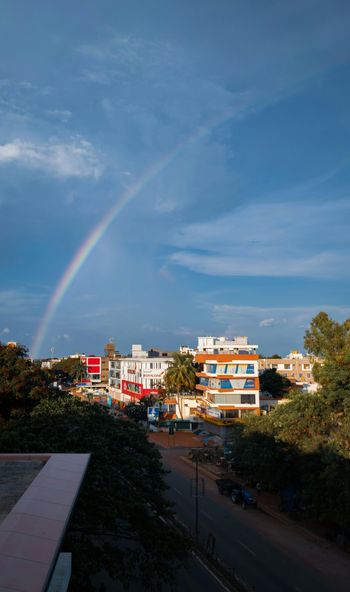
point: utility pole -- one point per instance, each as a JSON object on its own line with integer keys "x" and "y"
{"x": 197, "y": 502}
{"x": 197, "y": 491}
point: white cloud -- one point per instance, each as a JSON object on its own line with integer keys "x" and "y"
{"x": 267, "y": 322}
{"x": 291, "y": 316}
{"x": 270, "y": 239}
{"x": 74, "y": 159}
{"x": 61, "y": 114}
{"x": 165, "y": 273}
{"x": 5, "y": 331}
{"x": 19, "y": 304}
{"x": 165, "y": 205}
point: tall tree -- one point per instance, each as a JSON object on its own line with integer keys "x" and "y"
{"x": 274, "y": 383}
{"x": 115, "y": 527}
{"x": 72, "y": 368}
{"x": 330, "y": 342}
{"x": 180, "y": 378}
{"x": 22, "y": 383}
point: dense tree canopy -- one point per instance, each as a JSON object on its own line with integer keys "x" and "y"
{"x": 115, "y": 526}
{"x": 71, "y": 369}
{"x": 305, "y": 443}
{"x": 274, "y": 383}
{"x": 22, "y": 383}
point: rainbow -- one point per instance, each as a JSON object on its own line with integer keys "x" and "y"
{"x": 99, "y": 230}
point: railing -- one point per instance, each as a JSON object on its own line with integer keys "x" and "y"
{"x": 218, "y": 420}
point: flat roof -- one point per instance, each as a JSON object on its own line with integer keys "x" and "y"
{"x": 15, "y": 478}
{"x": 32, "y": 530}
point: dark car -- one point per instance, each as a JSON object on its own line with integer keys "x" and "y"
{"x": 244, "y": 497}
{"x": 226, "y": 486}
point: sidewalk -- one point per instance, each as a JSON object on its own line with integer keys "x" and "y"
{"x": 268, "y": 503}
{"x": 178, "y": 440}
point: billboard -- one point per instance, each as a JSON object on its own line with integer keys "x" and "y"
{"x": 153, "y": 414}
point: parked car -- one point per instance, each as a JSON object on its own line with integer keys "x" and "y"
{"x": 244, "y": 497}
{"x": 226, "y": 486}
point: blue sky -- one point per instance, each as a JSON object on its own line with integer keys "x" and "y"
{"x": 245, "y": 231}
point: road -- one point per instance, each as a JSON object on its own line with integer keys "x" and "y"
{"x": 267, "y": 555}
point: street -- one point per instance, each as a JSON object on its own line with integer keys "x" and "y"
{"x": 267, "y": 555}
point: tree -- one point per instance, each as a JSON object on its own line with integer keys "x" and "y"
{"x": 180, "y": 378}
{"x": 115, "y": 527}
{"x": 71, "y": 368}
{"x": 274, "y": 383}
{"x": 22, "y": 383}
{"x": 305, "y": 443}
{"x": 138, "y": 411}
{"x": 330, "y": 341}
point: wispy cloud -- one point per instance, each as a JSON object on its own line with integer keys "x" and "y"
{"x": 63, "y": 115}
{"x": 76, "y": 158}
{"x": 16, "y": 303}
{"x": 242, "y": 317}
{"x": 270, "y": 239}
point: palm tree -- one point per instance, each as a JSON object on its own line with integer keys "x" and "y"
{"x": 180, "y": 377}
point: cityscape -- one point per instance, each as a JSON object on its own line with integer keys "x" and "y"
{"x": 174, "y": 296}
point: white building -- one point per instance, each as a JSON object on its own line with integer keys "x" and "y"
{"x": 141, "y": 375}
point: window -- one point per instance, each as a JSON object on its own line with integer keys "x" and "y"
{"x": 286, "y": 366}
{"x": 248, "y": 399}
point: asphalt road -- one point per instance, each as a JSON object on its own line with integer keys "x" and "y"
{"x": 264, "y": 553}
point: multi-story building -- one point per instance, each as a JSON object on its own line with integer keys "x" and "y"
{"x": 92, "y": 369}
{"x": 296, "y": 367}
{"x": 114, "y": 373}
{"x": 228, "y": 379}
{"x": 140, "y": 374}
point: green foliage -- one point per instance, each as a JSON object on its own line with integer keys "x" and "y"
{"x": 138, "y": 411}
{"x": 71, "y": 368}
{"x": 22, "y": 383}
{"x": 331, "y": 342}
{"x": 115, "y": 525}
{"x": 274, "y": 383}
{"x": 305, "y": 443}
{"x": 180, "y": 377}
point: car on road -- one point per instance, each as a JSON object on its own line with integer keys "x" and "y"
{"x": 244, "y": 497}
{"x": 227, "y": 486}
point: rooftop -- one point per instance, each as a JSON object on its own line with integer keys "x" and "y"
{"x": 15, "y": 478}
{"x": 38, "y": 494}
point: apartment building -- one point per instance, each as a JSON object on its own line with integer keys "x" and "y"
{"x": 92, "y": 366}
{"x": 228, "y": 379}
{"x": 296, "y": 367}
{"x": 141, "y": 374}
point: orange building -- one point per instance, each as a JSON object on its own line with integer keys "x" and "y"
{"x": 228, "y": 384}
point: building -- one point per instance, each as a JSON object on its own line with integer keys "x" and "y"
{"x": 114, "y": 373}
{"x": 93, "y": 369}
{"x": 141, "y": 375}
{"x": 296, "y": 367}
{"x": 39, "y": 492}
{"x": 97, "y": 368}
{"x": 110, "y": 355}
{"x": 228, "y": 379}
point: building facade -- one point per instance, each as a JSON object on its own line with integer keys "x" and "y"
{"x": 228, "y": 379}
{"x": 93, "y": 369}
{"x": 141, "y": 375}
{"x": 296, "y": 367}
